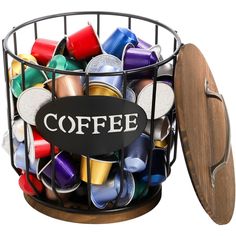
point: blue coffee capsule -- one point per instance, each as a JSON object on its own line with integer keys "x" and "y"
{"x": 106, "y": 63}
{"x": 158, "y": 169}
{"x": 6, "y": 143}
{"x": 101, "y": 195}
{"x": 136, "y": 154}
{"x": 128, "y": 188}
{"x": 116, "y": 43}
{"x": 130, "y": 95}
{"x": 19, "y": 159}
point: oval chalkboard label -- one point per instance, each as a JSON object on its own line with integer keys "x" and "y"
{"x": 90, "y": 125}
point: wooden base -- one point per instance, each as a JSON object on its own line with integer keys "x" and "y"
{"x": 98, "y": 217}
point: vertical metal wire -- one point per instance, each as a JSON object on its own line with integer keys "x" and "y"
{"x": 176, "y": 125}
{"x": 152, "y": 126}
{"x": 86, "y": 91}
{"x": 175, "y": 58}
{"x": 170, "y": 141}
{"x": 15, "y": 42}
{"x": 121, "y": 152}
{"x": 98, "y": 25}
{"x": 156, "y": 34}
{"x": 9, "y": 115}
{"x": 175, "y": 144}
{"x": 27, "y": 161}
{"x": 171, "y": 138}
{"x": 65, "y": 25}
{"x": 129, "y": 23}
{"x": 52, "y": 147}
{"x": 88, "y": 158}
{"x": 35, "y": 30}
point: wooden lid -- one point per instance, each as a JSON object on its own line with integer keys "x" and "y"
{"x": 205, "y": 134}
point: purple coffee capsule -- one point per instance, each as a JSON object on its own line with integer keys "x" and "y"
{"x": 143, "y": 44}
{"x": 136, "y": 58}
{"x": 66, "y": 174}
{"x": 136, "y": 154}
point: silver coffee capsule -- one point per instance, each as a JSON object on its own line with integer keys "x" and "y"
{"x": 164, "y": 99}
{"x": 162, "y": 128}
{"x": 30, "y": 101}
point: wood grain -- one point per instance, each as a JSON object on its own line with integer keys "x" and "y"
{"x": 203, "y": 134}
{"x": 101, "y": 218}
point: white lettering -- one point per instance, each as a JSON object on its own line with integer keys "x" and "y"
{"x": 60, "y": 124}
{"x": 113, "y": 123}
{"x": 80, "y": 124}
{"x": 128, "y": 121}
{"x": 96, "y": 124}
{"x": 46, "y": 120}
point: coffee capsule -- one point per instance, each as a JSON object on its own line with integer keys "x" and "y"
{"x": 103, "y": 89}
{"x": 72, "y": 64}
{"x": 20, "y": 159}
{"x": 162, "y": 128}
{"x": 166, "y": 69}
{"x": 141, "y": 189}
{"x": 16, "y": 65}
{"x": 136, "y": 154}
{"x": 130, "y": 95}
{"x": 99, "y": 170}
{"x": 66, "y": 175}
{"x": 33, "y": 76}
{"x": 164, "y": 99}
{"x": 6, "y": 143}
{"x": 136, "y": 58}
{"x": 44, "y": 49}
{"x": 117, "y": 41}
{"x": 106, "y": 63}
{"x": 40, "y": 148}
{"x": 18, "y": 129}
{"x": 101, "y": 195}
{"x": 161, "y": 144}
{"x": 64, "y": 193}
{"x": 65, "y": 85}
{"x": 26, "y": 187}
{"x": 30, "y": 101}
{"x": 158, "y": 168}
{"x": 84, "y": 43}
{"x": 143, "y": 44}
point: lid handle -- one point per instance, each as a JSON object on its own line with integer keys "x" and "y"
{"x": 215, "y": 168}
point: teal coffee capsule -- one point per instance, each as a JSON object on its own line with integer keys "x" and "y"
{"x": 33, "y": 76}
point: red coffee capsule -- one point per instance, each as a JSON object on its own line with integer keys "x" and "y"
{"x": 84, "y": 43}
{"x": 42, "y": 148}
{"x": 43, "y": 50}
{"x": 25, "y": 186}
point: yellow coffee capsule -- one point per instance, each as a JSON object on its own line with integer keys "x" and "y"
{"x": 16, "y": 65}
{"x": 160, "y": 144}
{"x": 39, "y": 85}
{"x": 99, "y": 170}
{"x": 102, "y": 89}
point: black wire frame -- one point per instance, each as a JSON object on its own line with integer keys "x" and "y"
{"x": 172, "y": 138}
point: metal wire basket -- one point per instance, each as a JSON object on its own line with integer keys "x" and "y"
{"x": 85, "y": 207}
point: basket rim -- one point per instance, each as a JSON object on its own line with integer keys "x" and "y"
{"x": 82, "y": 73}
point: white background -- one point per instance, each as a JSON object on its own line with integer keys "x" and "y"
{"x": 208, "y": 24}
